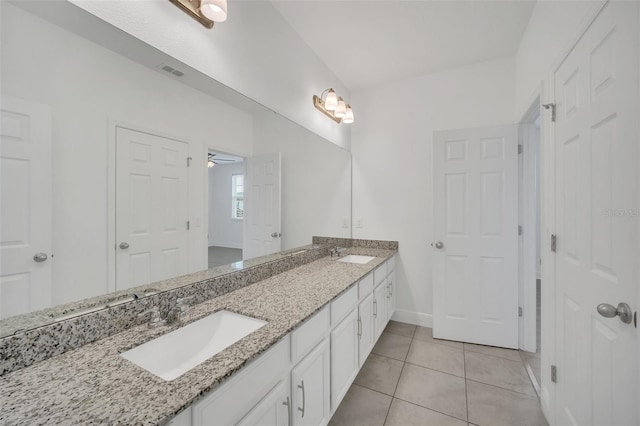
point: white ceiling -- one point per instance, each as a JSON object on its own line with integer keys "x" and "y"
{"x": 366, "y": 43}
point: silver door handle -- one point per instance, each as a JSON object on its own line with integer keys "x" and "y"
{"x": 301, "y": 386}
{"x": 40, "y": 257}
{"x": 623, "y": 311}
{"x": 124, "y": 245}
{"x": 286, "y": 403}
{"x": 360, "y": 328}
{"x": 437, "y": 245}
{"x": 375, "y": 308}
{"x": 391, "y": 287}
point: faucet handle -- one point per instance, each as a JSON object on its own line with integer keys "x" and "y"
{"x": 156, "y": 317}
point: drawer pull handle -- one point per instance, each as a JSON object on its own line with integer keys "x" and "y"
{"x": 360, "y": 328}
{"x": 301, "y": 386}
{"x": 375, "y": 308}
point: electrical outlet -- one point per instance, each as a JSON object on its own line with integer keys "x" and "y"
{"x": 358, "y": 222}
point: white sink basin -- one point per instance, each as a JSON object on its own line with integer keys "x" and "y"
{"x": 356, "y": 258}
{"x": 175, "y": 353}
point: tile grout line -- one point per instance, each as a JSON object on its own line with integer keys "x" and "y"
{"x": 431, "y": 409}
{"x": 466, "y": 391}
{"x": 504, "y": 389}
{"x": 398, "y": 382}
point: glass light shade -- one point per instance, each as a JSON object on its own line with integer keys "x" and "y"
{"x": 348, "y": 117}
{"x": 216, "y": 10}
{"x": 331, "y": 102}
{"x": 341, "y": 110}
{"x": 210, "y": 163}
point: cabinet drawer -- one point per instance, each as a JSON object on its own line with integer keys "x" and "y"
{"x": 365, "y": 286}
{"x": 309, "y": 334}
{"x": 343, "y": 305}
{"x": 231, "y": 401}
{"x": 391, "y": 264}
{"x": 380, "y": 274}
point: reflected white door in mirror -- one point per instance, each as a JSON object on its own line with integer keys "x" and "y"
{"x": 262, "y": 212}
{"x": 152, "y": 190}
{"x": 25, "y": 198}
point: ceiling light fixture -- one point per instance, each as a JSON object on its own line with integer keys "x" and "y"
{"x": 333, "y": 106}
{"x": 204, "y": 11}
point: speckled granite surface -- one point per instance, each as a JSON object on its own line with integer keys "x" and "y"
{"x": 94, "y": 384}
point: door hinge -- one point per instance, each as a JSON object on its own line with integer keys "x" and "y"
{"x": 520, "y": 148}
{"x": 189, "y": 161}
{"x": 554, "y": 242}
{"x": 554, "y": 374}
{"x": 519, "y": 311}
{"x": 188, "y": 225}
{"x": 519, "y": 229}
{"x": 553, "y": 110}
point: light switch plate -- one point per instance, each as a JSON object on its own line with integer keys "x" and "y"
{"x": 358, "y": 222}
{"x": 345, "y": 222}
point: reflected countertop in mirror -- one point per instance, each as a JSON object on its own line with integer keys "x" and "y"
{"x": 32, "y": 320}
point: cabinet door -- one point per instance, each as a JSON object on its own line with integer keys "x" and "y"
{"x": 379, "y": 309}
{"x": 365, "y": 318}
{"x": 310, "y": 388}
{"x": 391, "y": 299}
{"x": 344, "y": 357}
{"x": 273, "y": 410}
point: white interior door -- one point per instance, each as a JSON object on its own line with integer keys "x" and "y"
{"x": 475, "y": 252}
{"x": 25, "y": 206}
{"x": 151, "y": 208}
{"x": 597, "y": 221}
{"x": 262, "y": 211}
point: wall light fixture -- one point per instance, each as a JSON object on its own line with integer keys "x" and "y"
{"x": 204, "y": 11}
{"x": 333, "y": 106}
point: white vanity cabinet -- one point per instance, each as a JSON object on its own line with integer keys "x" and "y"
{"x": 365, "y": 333}
{"x": 344, "y": 357}
{"x": 310, "y": 388}
{"x": 273, "y": 410}
{"x": 391, "y": 294}
{"x": 379, "y": 309}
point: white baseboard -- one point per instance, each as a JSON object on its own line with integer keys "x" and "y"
{"x": 415, "y": 318}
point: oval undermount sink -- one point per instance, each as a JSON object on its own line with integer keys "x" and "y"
{"x": 356, "y": 258}
{"x": 173, "y": 354}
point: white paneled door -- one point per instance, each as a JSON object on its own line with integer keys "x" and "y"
{"x": 475, "y": 247}
{"x": 262, "y": 206}
{"x": 25, "y": 206}
{"x": 597, "y": 221}
{"x": 151, "y": 208}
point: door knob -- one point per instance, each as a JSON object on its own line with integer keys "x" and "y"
{"x": 124, "y": 245}
{"x": 623, "y": 311}
{"x": 40, "y": 257}
{"x": 276, "y": 235}
{"x": 437, "y": 245}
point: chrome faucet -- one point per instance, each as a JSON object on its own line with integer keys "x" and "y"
{"x": 175, "y": 315}
{"x": 337, "y": 251}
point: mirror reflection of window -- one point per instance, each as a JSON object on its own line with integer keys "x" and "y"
{"x": 237, "y": 196}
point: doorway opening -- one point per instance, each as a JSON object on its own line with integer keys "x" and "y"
{"x": 529, "y": 247}
{"x": 225, "y": 193}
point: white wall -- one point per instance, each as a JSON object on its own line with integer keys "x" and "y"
{"x": 223, "y": 230}
{"x": 255, "y": 52}
{"x": 86, "y": 86}
{"x": 551, "y": 29}
{"x": 316, "y": 180}
{"x": 392, "y": 161}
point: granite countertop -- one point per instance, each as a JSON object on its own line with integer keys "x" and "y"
{"x": 93, "y": 384}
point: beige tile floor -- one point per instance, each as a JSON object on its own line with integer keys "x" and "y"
{"x": 410, "y": 378}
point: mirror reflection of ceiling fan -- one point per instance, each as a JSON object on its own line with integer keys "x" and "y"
{"x": 213, "y": 160}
